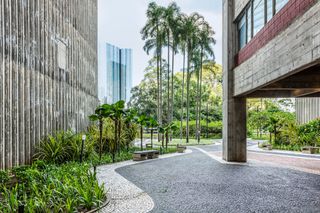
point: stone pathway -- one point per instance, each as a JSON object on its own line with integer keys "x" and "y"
{"x": 125, "y": 196}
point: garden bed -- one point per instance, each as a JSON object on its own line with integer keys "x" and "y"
{"x": 41, "y": 187}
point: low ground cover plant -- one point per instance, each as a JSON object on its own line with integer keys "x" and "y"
{"x": 71, "y": 187}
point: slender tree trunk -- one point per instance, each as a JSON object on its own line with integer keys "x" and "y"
{"x": 172, "y": 84}
{"x": 197, "y": 106}
{"x": 141, "y": 137}
{"x": 168, "y": 79}
{"x": 101, "y": 129}
{"x": 114, "y": 149}
{"x": 188, "y": 95}
{"x": 200, "y": 97}
{"x": 167, "y": 140}
{"x": 151, "y": 138}
{"x": 182, "y": 97}
{"x": 207, "y": 136}
{"x": 161, "y": 88}
{"x": 119, "y": 136}
{"x": 158, "y": 81}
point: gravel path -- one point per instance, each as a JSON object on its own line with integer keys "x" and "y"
{"x": 125, "y": 196}
{"x": 198, "y": 183}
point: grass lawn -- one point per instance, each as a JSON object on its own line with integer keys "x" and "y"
{"x": 192, "y": 142}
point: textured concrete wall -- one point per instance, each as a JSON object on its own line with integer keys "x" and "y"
{"x": 295, "y": 47}
{"x": 48, "y": 72}
{"x": 239, "y": 5}
{"x": 234, "y": 146}
{"x": 307, "y": 109}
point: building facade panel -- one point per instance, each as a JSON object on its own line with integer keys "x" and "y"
{"x": 239, "y": 6}
{"x": 307, "y": 109}
{"x": 48, "y": 72}
{"x": 296, "y": 46}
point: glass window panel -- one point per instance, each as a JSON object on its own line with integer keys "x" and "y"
{"x": 242, "y": 31}
{"x": 280, "y": 4}
{"x": 269, "y": 9}
{"x": 258, "y": 16}
{"x": 249, "y": 19}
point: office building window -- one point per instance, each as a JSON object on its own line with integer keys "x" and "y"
{"x": 258, "y": 16}
{"x": 242, "y": 32}
{"x": 255, "y": 16}
{"x": 269, "y": 9}
{"x": 249, "y": 23}
{"x": 280, "y": 4}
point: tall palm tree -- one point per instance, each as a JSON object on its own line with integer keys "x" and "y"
{"x": 206, "y": 41}
{"x": 182, "y": 46}
{"x": 192, "y": 24}
{"x": 153, "y": 34}
{"x": 170, "y": 17}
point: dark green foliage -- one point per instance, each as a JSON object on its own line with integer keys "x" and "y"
{"x": 62, "y": 147}
{"x": 49, "y": 188}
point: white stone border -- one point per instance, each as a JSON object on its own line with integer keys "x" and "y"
{"x": 125, "y": 196}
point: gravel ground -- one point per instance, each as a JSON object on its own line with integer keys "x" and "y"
{"x": 197, "y": 183}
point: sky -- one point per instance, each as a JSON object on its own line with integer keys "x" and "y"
{"x": 120, "y": 23}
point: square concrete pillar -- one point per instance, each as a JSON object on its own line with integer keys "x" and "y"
{"x": 234, "y": 108}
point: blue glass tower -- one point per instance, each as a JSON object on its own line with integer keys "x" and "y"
{"x": 117, "y": 83}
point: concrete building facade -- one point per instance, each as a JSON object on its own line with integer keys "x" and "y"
{"x": 307, "y": 109}
{"x": 48, "y": 72}
{"x": 271, "y": 49}
{"x": 115, "y": 74}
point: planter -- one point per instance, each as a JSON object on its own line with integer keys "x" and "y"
{"x": 310, "y": 150}
{"x": 266, "y": 146}
{"x": 181, "y": 149}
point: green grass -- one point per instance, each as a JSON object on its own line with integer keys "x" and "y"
{"x": 192, "y": 142}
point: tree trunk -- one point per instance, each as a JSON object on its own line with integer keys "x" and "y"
{"x": 115, "y": 147}
{"x": 158, "y": 81}
{"x": 188, "y": 95}
{"x": 168, "y": 79}
{"x": 182, "y": 97}
{"x": 172, "y": 84}
{"x": 151, "y": 138}
{"x": 167, "y": 140}
{"x": 141, "y": 137}
{"x": 160, "y": 87}
{"x": 197, "y": 106}
{"x": 200, "y": 97}
{"x": 100, "y": 129}
{"x": 119, "y": 136}
{"x": 207, "y": 136}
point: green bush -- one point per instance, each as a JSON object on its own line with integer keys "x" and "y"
{"x": 67, "y": 188}
{"x": 214, "y": 129}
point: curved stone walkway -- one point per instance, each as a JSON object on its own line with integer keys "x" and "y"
{"x": 124, "y": 195}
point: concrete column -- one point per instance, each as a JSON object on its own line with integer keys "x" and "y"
{"x": 234, "y": 109}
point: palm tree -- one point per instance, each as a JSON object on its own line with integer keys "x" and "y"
{"x": 171, "y": 14}
{"x": 142, "y": 121}
{"x": 101, "y": 112}
{"x": 154, "y": 35}
{"x": 116, "y": 113}
{"x": 192, "y": 24}
{"x": 182, "y": 45}
{"x": 152, "y": 124}
{"x": 206, "y": 41}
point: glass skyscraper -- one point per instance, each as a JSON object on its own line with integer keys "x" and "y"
{"x": 116, "y": 75}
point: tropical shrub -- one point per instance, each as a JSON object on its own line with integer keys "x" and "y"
{"x": 64, "y": 146}
{"x": 71, "y": 187}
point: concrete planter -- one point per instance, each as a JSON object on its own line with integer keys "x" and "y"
{"x": 310, "y": 150}
{"x": 181, "y": 149}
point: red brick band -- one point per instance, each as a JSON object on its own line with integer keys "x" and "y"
{"x": 280, "y": 21}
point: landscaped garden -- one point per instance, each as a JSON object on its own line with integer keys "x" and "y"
{"x": 62, "y": 176}
{"x": 280, "y": 128}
